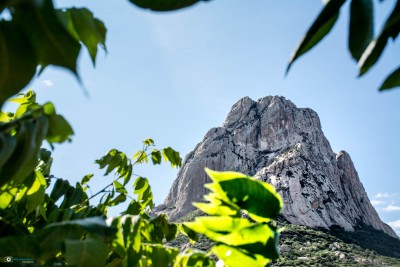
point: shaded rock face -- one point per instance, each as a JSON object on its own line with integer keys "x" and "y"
{"x": 276, "y": 142}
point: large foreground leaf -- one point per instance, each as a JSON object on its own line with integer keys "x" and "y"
{"x": 244, "y": 192}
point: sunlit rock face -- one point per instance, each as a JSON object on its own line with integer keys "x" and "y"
{"x": 274, "y": 141}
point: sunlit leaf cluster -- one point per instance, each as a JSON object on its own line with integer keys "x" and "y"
{"x": 242, "y": 212}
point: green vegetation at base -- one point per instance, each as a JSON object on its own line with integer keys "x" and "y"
{"x": 304, "y": 246}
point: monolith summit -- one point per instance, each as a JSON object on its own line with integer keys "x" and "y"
{"x": 274, "y": 141}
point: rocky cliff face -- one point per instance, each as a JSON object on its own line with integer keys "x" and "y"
{"x": 276, "y": 142}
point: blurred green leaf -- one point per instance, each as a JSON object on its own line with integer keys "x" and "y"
{"x": 393, "y": 80}
{"x": 159, "y": 255}
{"x": 232, "y": 256}
{"x": 87, "y": 252}
{"x": 159, "y": 228}
{"x": 21, "y": 246}
{"x": 164, "y": 5}
{"x": 192, "y": 258}
{"x": 322, "y": 25}
{"x": 86, "y": 179}
{"x": 119, "y": 199}
{"x": 81, "y": 23}
{"x": 189, "y": 233}
{"x": 361, "y": 29}
{"x": 52, "y": 43}
{"x": 59, "y": 189}
{"x": 375, "y": 48}
{"x": 17, "y": 60}
{"x": 140, "y": 156}
{"x": 59, "y": 129}
{"x": 148, "y": 142}
{"x": 119, "y": 187}
{"x": 140, "y": 185}
{"x": 171, "y": 156}
{"x": 156, "y": 156}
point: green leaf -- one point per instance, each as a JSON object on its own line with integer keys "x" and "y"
{"x": 85, "y": 28}
{"x": 217, "y": 206}
{"x": 94, "y": 225}
{"x": 191, "y": 258}
{"x": 119, "y": 187}
{"x": 375, "y": 48}
{"x": 225, "y": 229}
{"x": 59, "y": 189}
{"x": 72, "y": 197}
{"x": 393, "y": 80}
{"x": 232, "y": 256}
{"x": 17, "y": 60}
{"x": 7, "y": 194}
{"x": 172, "y": 156}
{"x": 52, "y": 43}
{"x": 59, "y": 129}
{"x": 49, "y": 109}
{"x": 86, "y": 179}
{"x": 19, "y": 247}
{"x": 159, "y": 255}
{"x": 27, "y": 98}
{"x": 244, "y": 191}
{"x": 148, "y": 142}
{"x": 134, "y": 208}
{"x": 26, "y": 153}
{"x": 87, "y": 252}
{"x": 7, "y": 146}
{"x": 35, "y": 195}
{"x": 156, "y": 157}
{"x": 140, "y": 156}
{"x": 158, "y": 228}
{"x": 361, "y": 29}
{"x": 140, "y": 185}
{"x": 164, "y": 5}
{"x": 318, "y": 30}
{"x": 189, "y": 233}
{"x": 128, "y": 235}
{"x": 119, "y": 199}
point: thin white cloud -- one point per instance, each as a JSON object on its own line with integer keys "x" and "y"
{"x": 395, "y": 225}
{"x": 380, "y": 195}
{"x": 48, "y": 83}
{"x": 377, "y": 202}
{"x": 391, "y": 208}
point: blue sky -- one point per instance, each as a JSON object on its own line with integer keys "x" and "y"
{"x": 172, "y": 76}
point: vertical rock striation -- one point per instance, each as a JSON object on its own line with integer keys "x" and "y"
{"x": 276, "y": 142}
